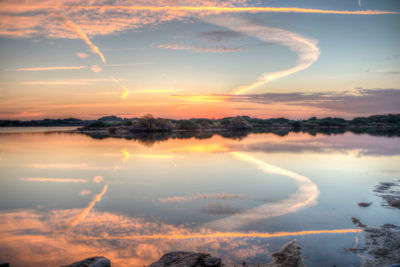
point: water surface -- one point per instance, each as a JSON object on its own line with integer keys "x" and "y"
{"x": 66, "y": 196}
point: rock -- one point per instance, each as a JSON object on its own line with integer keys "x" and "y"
{"x": 383, "y": 244}
{"x": 379, "y": 252}
{"x": 364, "y": 204}
{"x": 358, "y": 222}
{"x": 288, "y": 256}
{"x": 187, "y": 259}
{"x": 382, "y": 187}
{"x": 355, "y": 220}
{"x": 393, "y": 201}
{"x": 91, "y": 262}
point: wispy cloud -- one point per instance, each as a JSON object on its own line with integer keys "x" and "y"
{"x": 96, "y": 68}
{"x": 54, "y": 180}
{"x": 218, "y": 196}
{"x": 76, "y": 29}
{"x": 306, "y": 49}
{"x": 29, "y": 18}
{"x": 52, "y": 68}
{"x": 67, "y": 82}
{"x": 201, "y": 49}
{"x": 360, "y": 101}
{"x": 221, "y": 209}
{"x": 82, "y": 55}
{"x": 98, "y": 179}
{"x": 218, "y": 36}
{"x": 85, "y": 192}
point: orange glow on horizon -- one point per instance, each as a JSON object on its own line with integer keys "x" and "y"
{"x": 208, "y": 148}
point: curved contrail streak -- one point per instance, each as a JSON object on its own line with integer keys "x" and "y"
{"x": 175, "y": 236}
{"x": 251, "y": 9}
{"x": 306, "y": 195}
{"x": 306, "y": 49}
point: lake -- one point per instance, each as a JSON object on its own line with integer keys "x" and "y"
{"x": 66, "y": 196}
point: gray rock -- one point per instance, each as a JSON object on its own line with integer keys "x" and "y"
{"x": 288, "y": 256}
{"x": 382, "y": 187}
{"x": 187, "y": 259}
{"x": 91, "y": 262}
{"x": 393, "y": 201}
{"x": 379, "y": 252}
{"x": 364, "y": 204}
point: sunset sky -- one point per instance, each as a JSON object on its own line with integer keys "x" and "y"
{"x": 199, "y": 58}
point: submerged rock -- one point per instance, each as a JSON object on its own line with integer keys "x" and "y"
{"x": 288, "y": 256}
{"x": 382, "y": 245}
{"x": 383, "y": 187}
{"x": 358, "y": 222}
{"x": 187, "y": 259}
{"x": 393, "y": 201}
{"x": 91, "y": 262}
{"x": 389, "y": 194}
{"x": 364, "y": 204}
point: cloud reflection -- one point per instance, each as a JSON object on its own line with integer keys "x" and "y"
{"x": 78, "y": 218}
{"x": 53, "y": 180}
{"x": 305, "y": 195}
{"x": 31, "y": 238}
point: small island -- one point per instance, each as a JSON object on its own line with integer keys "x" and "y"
{"x": 114, "y": 126}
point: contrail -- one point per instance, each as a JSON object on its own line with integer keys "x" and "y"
{"x": 216, "y": 9}
{"x": 306, "y": 49}
{"x": 74, "y": 221}
{"x": 73, "y": 27}
{"x": 306, "y": 195}
{"x": 173, "y": 236}
{"x": 359, "y": 3}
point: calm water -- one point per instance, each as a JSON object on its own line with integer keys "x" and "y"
{"x": 65, "y": 197}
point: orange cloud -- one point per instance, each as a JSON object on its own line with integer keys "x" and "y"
{"x": 37, "y": 17}
{"x": 96, "y": 68}
{"x": 82, "y": 55}
{"x": 98, "y": 179}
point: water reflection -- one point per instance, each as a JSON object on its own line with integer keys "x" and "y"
{"x": 305, "y": 195}
{"x": 32, "y": 238}
{"x": 198, "y": 193}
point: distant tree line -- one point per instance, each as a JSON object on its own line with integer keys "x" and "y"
{"x": 148, "y": 123}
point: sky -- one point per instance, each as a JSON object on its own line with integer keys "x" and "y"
{"x": 199, "y": 58}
